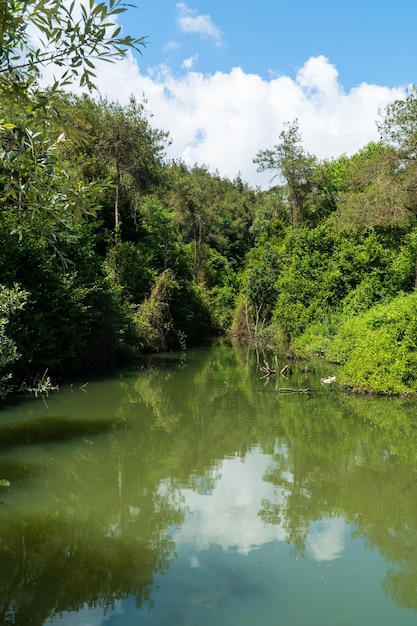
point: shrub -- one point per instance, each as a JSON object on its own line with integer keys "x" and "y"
{"x": 378, "y": 349}
{"x": 153, "y": 319}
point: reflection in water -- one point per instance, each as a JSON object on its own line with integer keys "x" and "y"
{"x": 229, "y": 517}
{"x": 197, "y": 495}
{"x": 326, "y": 539}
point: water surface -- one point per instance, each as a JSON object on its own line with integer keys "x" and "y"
{"x": 195, "y": 492}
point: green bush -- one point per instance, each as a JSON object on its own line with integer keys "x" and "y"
{"x": 317, "y": 337}
{"x": 222, "y": 302}
{"x": 378, "y": 349}
{"x": 153, "y": 318}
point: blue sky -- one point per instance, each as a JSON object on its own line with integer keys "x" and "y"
{"x": 224, "y": 76}
{"x": 368, "y": 41}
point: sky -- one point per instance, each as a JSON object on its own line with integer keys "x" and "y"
{"x": 225, "y": 76}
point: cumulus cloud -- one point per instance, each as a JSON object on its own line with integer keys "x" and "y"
{"x": 190, "y": 21}
{"x": 222, "y": 120}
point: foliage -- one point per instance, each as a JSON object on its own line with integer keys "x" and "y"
{"x": 39, "y": 192}
{"x": 11, "y": 299}
{"x": 210, "y": 210}
{"x": 378, "y": 349}
{"x": 39, "y": 195}
{"x": 289, "y": 161}
{"x": 115, "y": 251}
{"x": 372, "y": 191}
{"x": 174, "y": 315}
{"x": 259, "y": 283}
{"x": 223, "y": 299}
{"x": 129, "y": 272}
{"x": 66, "y": 40}
{"x": 153, "y": 318}
{"x": 193, "y": 314}
{"x": 134, "y": 150}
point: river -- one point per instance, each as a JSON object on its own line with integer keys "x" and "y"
{"x": 193, "y": 491}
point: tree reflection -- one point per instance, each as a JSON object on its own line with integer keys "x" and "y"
{"x": 332, "y": 455}
{"x": 352, "y": 461}
{"x": 101, "y": 536}
{"x": 97, "y": 529}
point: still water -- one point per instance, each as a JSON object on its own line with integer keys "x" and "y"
{"x": 195, "y": 492}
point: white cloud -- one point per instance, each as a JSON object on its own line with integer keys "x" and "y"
{"x": 190, "y": 21}
{"x": 171, "y": 45}
{"x": 235, "y": 114}
{"x": 188, "y": 64}
{"x": 222, "y": 119}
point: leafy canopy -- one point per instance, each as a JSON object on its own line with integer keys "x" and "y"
{"x": 73, "y": 37}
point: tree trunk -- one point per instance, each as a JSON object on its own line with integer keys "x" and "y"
{"x": 415, "y": 275}
{"x": 117, "y": 197}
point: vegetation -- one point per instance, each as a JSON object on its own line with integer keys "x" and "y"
{"x": 109, "y": 251}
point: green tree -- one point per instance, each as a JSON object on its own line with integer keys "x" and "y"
{"x": 37, "y": 189}
{"x": 133, "y": 148}
{"x": 44, "y": 197}
{"x": 11, "y": 299}
{"x": 294, "y": 166}
{"x": 192, "y": 197}
{"x": 370, "y": 189}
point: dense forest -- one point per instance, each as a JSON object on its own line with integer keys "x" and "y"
{"x": 109, "y": 250}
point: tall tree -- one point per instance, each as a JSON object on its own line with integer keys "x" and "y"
{"x": 369, "y": 189}
{"x": 132, "y": 147}
{"x": 289, "y": 161}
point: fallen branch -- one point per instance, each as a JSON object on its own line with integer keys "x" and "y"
{"x": 284, "y": 369}
{"x": 308, "y": 391}
{"x": 268, "y": 370}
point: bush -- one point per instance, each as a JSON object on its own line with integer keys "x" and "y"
{"x": 378, "y": 349}
{"x": 222, "y": 304}
{"x": 153, "y": 319}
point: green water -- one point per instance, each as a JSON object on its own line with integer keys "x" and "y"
{"x": 194, "y": 492}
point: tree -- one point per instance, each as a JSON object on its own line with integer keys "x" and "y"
{"x": 192, "y": 198}
{"x": 42, "y": 195}
{"x": 11, "y": 299}
{"x": 398, "y": 129}
{"x": 38, "y": 191}
{"x": 370, "y": 189}
{"x": 132, "y": 147}
{"x": 291, "y": 163}
{"x": 65, "y": 40}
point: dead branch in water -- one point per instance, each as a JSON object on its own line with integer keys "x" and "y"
{"x": 267, "y": 370}
{"x": 284, "y": 369}
{"x": 308, "y": 391}
{"x": 271, "y": 371}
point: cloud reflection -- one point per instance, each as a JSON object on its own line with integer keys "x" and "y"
{"x": 228, "y": 517}
{"x": 326, "y": 539}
